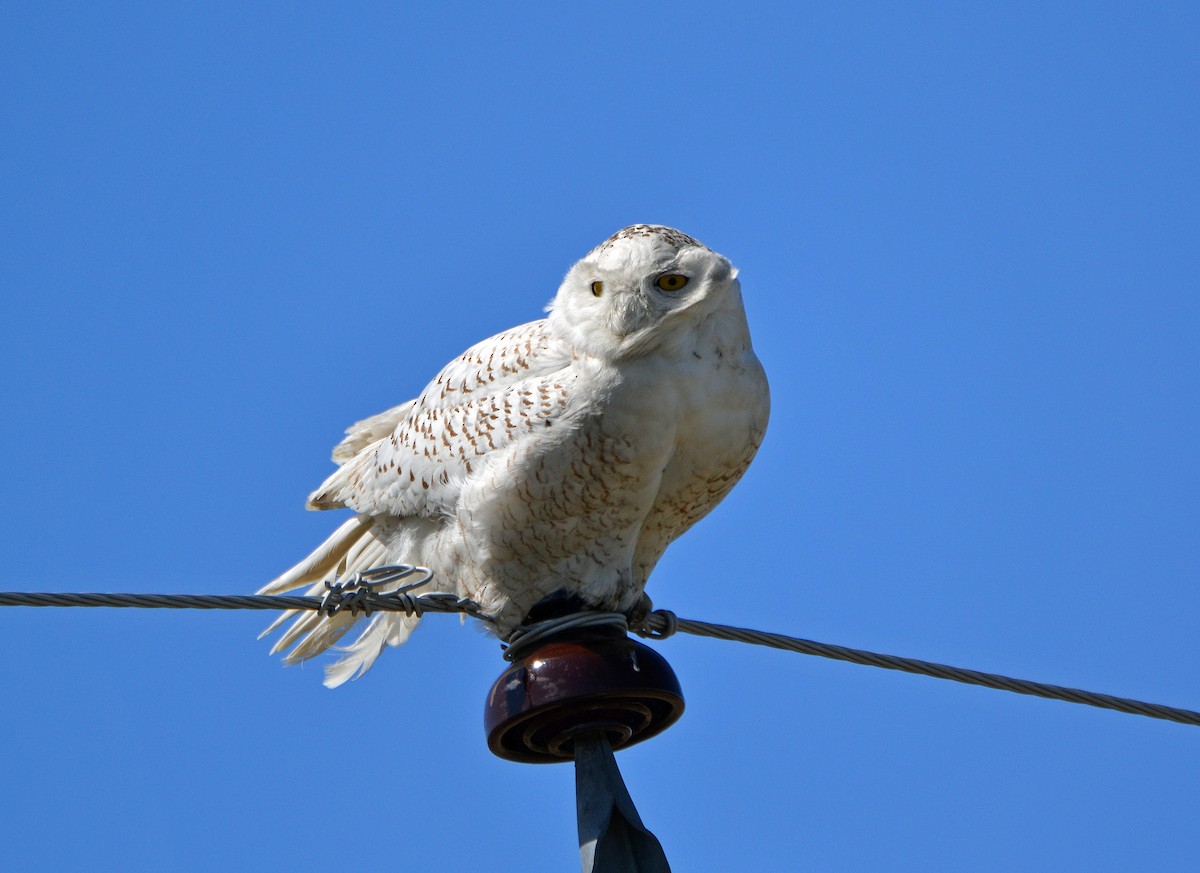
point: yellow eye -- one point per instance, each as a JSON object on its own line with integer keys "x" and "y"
{"x": 597, "y": 288}
{"x": 671, "y": 282}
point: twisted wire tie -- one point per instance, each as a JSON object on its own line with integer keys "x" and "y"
{"x": 527, "y": 637}
{"x": 358, "y": 593}
{"x": 658, "y": 625}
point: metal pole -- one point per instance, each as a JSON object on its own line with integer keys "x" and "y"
{"x": 612, "y": 838}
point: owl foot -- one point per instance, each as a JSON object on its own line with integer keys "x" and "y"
{"x": 638, "y": 612}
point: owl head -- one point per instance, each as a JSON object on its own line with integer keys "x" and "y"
{"x": 638, "y": 288}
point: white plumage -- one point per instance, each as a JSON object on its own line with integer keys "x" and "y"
{"x": 560, "y": 457}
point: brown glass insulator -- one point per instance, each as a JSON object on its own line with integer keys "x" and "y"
{"x": 588, "y": 682}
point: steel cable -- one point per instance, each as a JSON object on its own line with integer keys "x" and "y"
{"x": 658, "y": 624}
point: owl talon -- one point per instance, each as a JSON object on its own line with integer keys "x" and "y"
{"x": 638, "y": 612}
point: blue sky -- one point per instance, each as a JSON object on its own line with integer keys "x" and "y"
{"x": 967, "y": 240}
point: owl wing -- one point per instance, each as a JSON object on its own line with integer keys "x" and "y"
{"x": 496, "y": 392}
{"x": 370, "y": 430}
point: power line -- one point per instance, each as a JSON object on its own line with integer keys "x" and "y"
{"x": 412, "y": 604}
{"x": 356, "y": 595}
{"x": 657, "y": 623}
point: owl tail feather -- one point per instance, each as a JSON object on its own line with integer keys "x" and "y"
{"x": 354, "y": 547}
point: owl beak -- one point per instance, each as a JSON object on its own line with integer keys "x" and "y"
{"x": 627, "y": 312}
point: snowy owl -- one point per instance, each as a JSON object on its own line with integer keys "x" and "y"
{"x": 556, "y": 460}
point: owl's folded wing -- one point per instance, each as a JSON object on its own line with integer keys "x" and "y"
{"x": 502, "y": 387}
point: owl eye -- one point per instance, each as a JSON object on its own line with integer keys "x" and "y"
{"x": 671, "y": 282}
{"x": 597, "y": 288}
